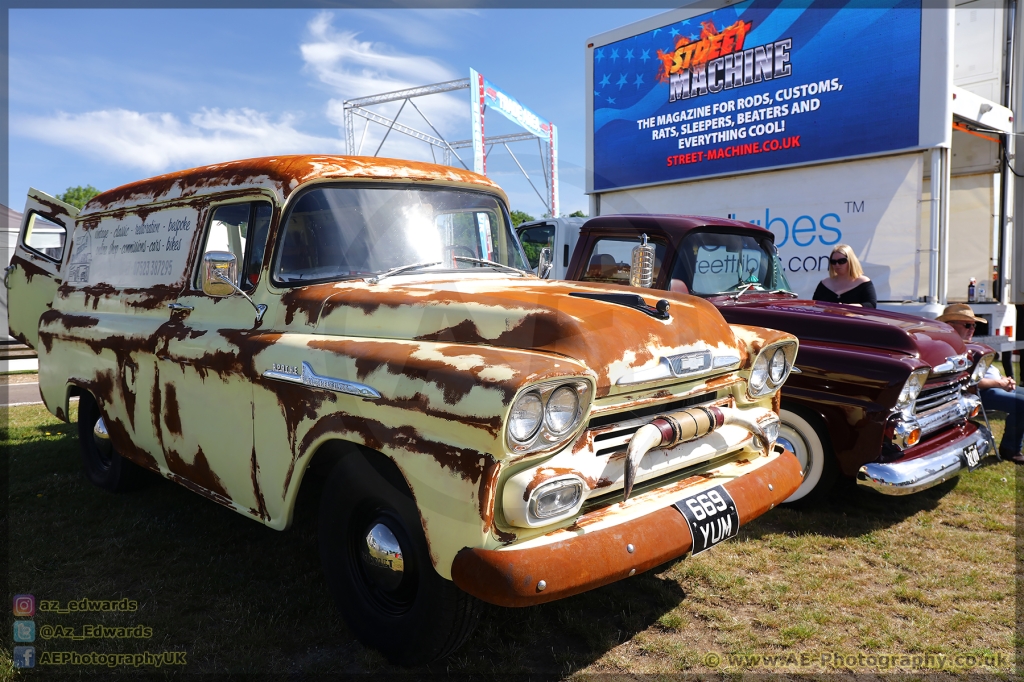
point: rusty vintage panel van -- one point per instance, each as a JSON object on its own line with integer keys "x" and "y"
{"x": 487, "y": 435}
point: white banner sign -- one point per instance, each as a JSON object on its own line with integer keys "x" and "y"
{"x": 872, "y": 205}
{"x": 133, "y": 252}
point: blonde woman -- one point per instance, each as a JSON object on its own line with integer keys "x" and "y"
{"x": 846, "y": 282}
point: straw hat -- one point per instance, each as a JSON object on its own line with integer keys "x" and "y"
{"x": 959, "y": 312}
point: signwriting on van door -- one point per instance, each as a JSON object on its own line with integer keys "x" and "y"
{"x": 132, "y": 251}
{"x": 756, "y": 86}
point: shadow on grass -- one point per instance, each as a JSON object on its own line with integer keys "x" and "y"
{"x": 242, "y": 599}
{"x": 849, "y": 512}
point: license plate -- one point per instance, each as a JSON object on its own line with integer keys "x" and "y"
{"x": 972, "y": 457}
{"x": 711, "y": 517}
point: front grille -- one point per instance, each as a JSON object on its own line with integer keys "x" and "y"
{"x": 624, "y": 424}
{"x": 938, "y": 395}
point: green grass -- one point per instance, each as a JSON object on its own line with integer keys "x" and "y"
{"x": 931, "y": 573}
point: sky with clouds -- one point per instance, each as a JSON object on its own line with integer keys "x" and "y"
{"x": 105, "y": 97}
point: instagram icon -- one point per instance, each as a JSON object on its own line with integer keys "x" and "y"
{"x": 24, "y": 605}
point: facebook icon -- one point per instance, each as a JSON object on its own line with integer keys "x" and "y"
{"x": 24, "y": 657}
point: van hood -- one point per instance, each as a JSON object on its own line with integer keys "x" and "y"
{"x": 932, "y": 341}
{"x": 529, "y": 314}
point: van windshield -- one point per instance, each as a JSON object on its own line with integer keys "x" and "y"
{"x": 337, "y": 233}
{"x": 712, "y": 263}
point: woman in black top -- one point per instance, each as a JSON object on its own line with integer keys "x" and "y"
{"x": 846, "y": 282}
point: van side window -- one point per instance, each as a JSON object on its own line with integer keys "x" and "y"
{"x": 44, "y": 237}
{"x": 241, "y": 229}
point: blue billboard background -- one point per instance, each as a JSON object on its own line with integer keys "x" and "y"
{"x": 851, "y": 88}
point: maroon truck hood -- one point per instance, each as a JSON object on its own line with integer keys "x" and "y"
{"x": 932, "y": 341}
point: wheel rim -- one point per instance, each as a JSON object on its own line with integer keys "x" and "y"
{"x": 385, "y": 572}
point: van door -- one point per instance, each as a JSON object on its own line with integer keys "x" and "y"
{"x": 34, "y": 274}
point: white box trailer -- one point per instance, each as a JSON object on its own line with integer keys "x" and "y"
{"x": 770, "y": 116}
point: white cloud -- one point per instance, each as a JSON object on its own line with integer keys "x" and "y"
{"x": 352, "y": 68}
{"x": 160, "y": 141}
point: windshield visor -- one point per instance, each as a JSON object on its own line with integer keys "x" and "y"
{"x": 335, "y": 233}
{"x": 719, "y": 263}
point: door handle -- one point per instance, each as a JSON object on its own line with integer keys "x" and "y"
{"x": 7, "y": 273}
{"x": 180, "y": 306}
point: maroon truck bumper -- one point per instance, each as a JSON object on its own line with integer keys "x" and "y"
{"x": 585, "y": 560}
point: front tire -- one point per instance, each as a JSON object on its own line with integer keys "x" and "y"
{"x": 378, "y": 568}
{"x": 803, "y": 435}
{"x": 100, "y": 462}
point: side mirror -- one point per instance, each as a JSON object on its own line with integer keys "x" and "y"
{"x": 641, "y": 270}
{"x": 220, "y": 272}
{"x": 217, "y": 267}
{"x": 544, "y": 263}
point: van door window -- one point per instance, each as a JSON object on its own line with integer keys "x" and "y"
{"x": 44, "y": 237}
{"x": 241, "y": 229}
{"x": 536, "y": 238}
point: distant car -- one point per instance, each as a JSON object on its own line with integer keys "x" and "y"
{"x": 882, "y": 397}
{"x": 488, "y": 435}
{"x": 557, "y": 234}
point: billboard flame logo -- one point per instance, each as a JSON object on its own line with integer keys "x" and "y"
{"x": 712, "y": 44}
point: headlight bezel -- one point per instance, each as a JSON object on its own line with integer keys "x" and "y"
{"x": 981, "y": 366}
{"x": 545, "y": 437}
{"x": 758, "y": 387}
{"x": 908, "y": 394}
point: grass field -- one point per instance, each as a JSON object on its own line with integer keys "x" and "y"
{"x": 930, "y": 574}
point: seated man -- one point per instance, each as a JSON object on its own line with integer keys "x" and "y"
{"x": 997, "y": 392}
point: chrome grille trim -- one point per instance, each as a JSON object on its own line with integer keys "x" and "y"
{"x": 933, "y": 397}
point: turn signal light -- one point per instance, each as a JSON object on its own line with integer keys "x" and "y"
{"x": 975, "y": 410}
{"x": 913, "y": 437}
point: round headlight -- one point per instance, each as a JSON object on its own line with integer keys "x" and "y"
{"x": 561, "y": 409}
{"x": 979, "y": 370}
{"x": 527, "y": 413}
{"x": 759, "y": 374}
{"x": 777, "y": 369}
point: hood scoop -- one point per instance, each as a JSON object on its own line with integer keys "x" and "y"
{"x": 660, "y": 312}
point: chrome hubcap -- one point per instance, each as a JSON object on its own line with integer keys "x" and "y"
{"x": 102, "y": 440}
{"x": 381, "y": 555}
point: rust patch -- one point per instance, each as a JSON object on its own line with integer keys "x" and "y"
{"x": 68, "y": 321}
{"x": 60, "y": 414}
{"x": 198, "y": 472}
{"x": 486, "y": 493}
{"x": 171, "y": 415}
{"x": 468, "y": 464}
{"x": 30, "y": 268}
{"x": 95, "y": 292}
{"x": 254, "y": 470}
{"x": 126, "y": 448}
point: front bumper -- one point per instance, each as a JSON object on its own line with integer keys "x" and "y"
{"x": 593, "y": 553}
{"x": 913, "y": 475}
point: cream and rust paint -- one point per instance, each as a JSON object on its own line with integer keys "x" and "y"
{"x": 183, "y": 392}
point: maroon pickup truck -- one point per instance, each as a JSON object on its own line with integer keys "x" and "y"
{"x": 885, "y": 398}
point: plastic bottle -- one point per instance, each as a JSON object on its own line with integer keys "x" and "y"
{"x": 981, "y": 293}
{"x": 970, "y": 290}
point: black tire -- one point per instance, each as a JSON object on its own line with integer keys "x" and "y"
{"x": 805, "y": 435}
{"x": 422, "y": 618}
{"x": 102, "y": 465}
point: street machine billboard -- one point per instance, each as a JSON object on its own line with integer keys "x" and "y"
{"x": 756, "y": 85}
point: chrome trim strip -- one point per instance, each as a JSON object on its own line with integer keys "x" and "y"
{"x": 905, "y": 478}
{"x": 313, "y": 380}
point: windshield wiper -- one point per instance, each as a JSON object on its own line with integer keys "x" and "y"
{"x": 399, "y": 270}
{"x": 743, "y": 290}
{"x": 481, "y": 261}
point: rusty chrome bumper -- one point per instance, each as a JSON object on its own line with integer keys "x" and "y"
{"x": 921, "y": 473}
{"x": 577, "y": 559}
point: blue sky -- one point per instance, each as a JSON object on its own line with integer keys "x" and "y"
{"x": 105, "y": 97}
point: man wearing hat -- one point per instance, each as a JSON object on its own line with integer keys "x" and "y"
{"x": 997, "y": 392}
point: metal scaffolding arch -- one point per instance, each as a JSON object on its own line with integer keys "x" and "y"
{"x": 359, "y": 107}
